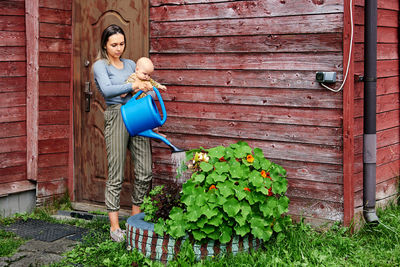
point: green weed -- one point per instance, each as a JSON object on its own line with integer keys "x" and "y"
{"x": 9, "y": 243}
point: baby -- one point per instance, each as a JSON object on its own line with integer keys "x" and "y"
{"x": 143, "y": 71}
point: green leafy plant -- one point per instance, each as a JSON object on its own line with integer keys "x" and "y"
{"x": 161, "y": 199}
{"x": 233, "y": 190}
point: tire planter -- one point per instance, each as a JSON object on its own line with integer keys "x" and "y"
{"x": 140, "y": 236}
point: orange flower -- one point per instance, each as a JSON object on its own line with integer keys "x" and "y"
{"x": 212, "y": 187}
{"x": 247, "y": 189}
{"x": 263, "y": 174}
{"x": 250, "y": 158}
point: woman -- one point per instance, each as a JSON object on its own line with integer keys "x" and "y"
{"x": 110, "y": 74}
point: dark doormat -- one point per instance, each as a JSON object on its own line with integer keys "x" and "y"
{"x": 45, "y": 231}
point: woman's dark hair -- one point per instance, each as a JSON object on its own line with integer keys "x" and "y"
{"x": 110, "y": 30}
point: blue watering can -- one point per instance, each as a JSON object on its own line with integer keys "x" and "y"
{"x": 141, "y": 116}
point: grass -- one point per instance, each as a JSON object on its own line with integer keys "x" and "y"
{"x": 302, "y": 246}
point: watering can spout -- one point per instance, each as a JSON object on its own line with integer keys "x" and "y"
{"x": 152, "y": 134}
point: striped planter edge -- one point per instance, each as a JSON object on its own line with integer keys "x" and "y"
{"x": 164, "y": 248}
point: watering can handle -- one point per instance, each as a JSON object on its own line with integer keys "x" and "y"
{"x": 164, "y": 112}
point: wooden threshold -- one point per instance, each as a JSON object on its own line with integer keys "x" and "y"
{"x": 82, "y": 206}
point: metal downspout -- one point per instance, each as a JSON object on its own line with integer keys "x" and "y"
{"x": 369, "y": 157}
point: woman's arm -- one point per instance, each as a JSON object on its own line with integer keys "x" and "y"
{"x": 103, "y": 82}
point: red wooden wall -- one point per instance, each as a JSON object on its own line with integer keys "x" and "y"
{"x": 245, "y": 70}
{"x": 12, "y": 97}
{"x": 55, "y": 49}
{"x": 388, "y": 119}
{"x": 53, "y": 109}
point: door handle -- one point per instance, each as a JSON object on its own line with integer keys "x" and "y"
{"x": 88, "y": 94}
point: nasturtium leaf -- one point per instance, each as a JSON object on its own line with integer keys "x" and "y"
{"x": 263, "y": 190}
{"x": 221, "y": 167}
{"x": 221, "y": 200}
{"x": 177, "y": 229}
{"x": 198, "y": 235}
{"x": 268, "y": 206}
{"x": 245, "y": 208}
{"x": 231, "y": 207}
{"x": 258, "y": 197}
{"x": 216, "y": 152}
{"x": 258, "y": 153}
{"x": 265, "y": 164}
{"x": 188, "y": 187}
{"x": 199, "y": 178}
{"x": 193, "y": 215}
{"x": 226, "y": 234}
{"x": 256, "y": 179}
{"x": 240, "y": 193}
{"x": 208, "y": 229}
{"x": 202, "y": 221}
{"x": 283, "y": 204}
{"x": 256, "y": 163}
{"x": 226, "y": 188}
{"x": 212, "y": 197}
{"x": 242, "y": 230}
{"x": 240, "y": 219}
{"x": 215, "y": 235}
{"x": 229, "y": 153}
{"x": 176, "y": 213}
{"x": 279, "y": 187}
{"x": 205, "y": 166}
{"x": 277, "y": 227}
{"x": 209, "y": 212}
{"x": 236, "y": 171}
{"x": 261, "y": 232}
{"x": 215, "y": 177}
{"x": 159, "y": 228}
{"x": 216, "y": 220}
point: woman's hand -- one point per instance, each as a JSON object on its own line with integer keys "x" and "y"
{"x": 141, "y": 85}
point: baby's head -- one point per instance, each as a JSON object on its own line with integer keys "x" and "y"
{"x": 144, "y": 68}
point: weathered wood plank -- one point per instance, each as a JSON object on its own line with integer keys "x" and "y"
{"x": 53, "y": 103}
{"x": 15, "y": 187}
{"x": 54, "y": 45}
{"x": 384, "y": 35}
{"x": 384, "y": 4}
{"x": 53, "y": 145}
{"x": 383, "y": 103}
{"x": 386, "y": 18}
{"x": 52, "y": 173}
{"x": 384, "y": 68}
{"x": 12, "y": 23}
{"x": 54, "y": 59}
{"x": 384, "y": 172}
{"x": 53, "y": 160}
{"x": 321, "y": 191}
{"x": 266, "y": 114}
{"x": 251, "y": 61}
{"x": 56, "y": 16}
{"x": 12, "y": 69}
{"x": 54, "y": 89}
{"x": 12, "y": 38}
{"x": 13, "y": 8}
{"x": 255, "y": 130}
{"x": 254, "y": 96}
{"x": 272, "y": 150}
{"x": 384, "y": 120}
{"x": 255, "y": 26}
{"x": 383, "y": 155}
{"x": 315, "y": 208}
{"x": 384, "y": 138}
{"x": 329, "y": 42}
{"x": 242, "y": 9}
{"x": 383, "y": 190}
{"x": 12, "y": 53}
{"x": 384, "y": 52}
{"x": 12, "y": 129}
{"x": 51, "y": 188}
{"x": 64, "y": 5}
{"x": 12, "y": 99}
{"x": 12, "y": 159}
{"x": 387, "y": 85}
{"x": 12, "y": 144}
{"x": 54, "y": 117}
{"x": 52, "y": 74}
{"x": 53, "y": 131}
{"x": 11, "y": 114}
{"x": 48, "y": 30}
{"x": 241, "y": 78}
{"x": 15, "y": 173}
{"x": 182, "y": 2}
{"x": 12, "y": 84}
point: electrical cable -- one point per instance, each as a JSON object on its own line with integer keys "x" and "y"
{"x": 351, "y": 46}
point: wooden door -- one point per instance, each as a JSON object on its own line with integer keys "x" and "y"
{"x": 91, "y": 17}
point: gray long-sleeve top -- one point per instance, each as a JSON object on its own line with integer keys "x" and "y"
{"x": 111, "y": 81}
